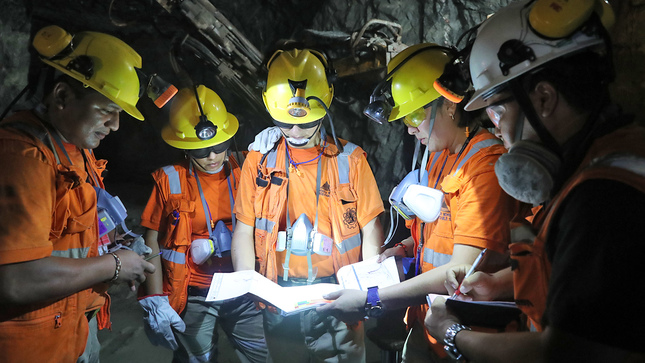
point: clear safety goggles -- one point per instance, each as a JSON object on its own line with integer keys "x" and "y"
{"x": 497, "y": 110}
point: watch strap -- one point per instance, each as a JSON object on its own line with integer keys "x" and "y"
{"x": 449, "y": 341}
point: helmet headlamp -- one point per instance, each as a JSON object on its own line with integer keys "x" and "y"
{"x": 379, "y": 109}
{"x": 298, "y": 106}
{"x": 205, "y": 129}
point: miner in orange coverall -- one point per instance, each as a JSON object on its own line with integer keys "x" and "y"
{"x": 53, "y": 281}
{"x": 455, "y": 207}
{"x": 189, "y": 220}
{"x": 310, "y": 187}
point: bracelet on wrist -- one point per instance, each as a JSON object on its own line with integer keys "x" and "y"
{"x": 405, "y": 248}
{"x": 117, "y": 269}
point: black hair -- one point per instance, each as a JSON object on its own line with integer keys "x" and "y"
{"x": 581, "y": 78}
{"x": 470, "y": 118}
{"x": 78, "y": 88}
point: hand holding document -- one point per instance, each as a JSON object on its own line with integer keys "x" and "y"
{"x": 293, "y": 299}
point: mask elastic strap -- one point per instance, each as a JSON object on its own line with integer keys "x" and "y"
{"x": 231, "y": 200}
{"x": 285, "y": 265}
{"x": 310, "y": 241}
{"x": 207, "y": 211}
{"x": 417, "y": 257}
{"x": 394, "y": 224}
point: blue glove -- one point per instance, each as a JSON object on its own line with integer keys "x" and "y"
{"x": 265, "y": 140}
{"x": 159, "y": 320}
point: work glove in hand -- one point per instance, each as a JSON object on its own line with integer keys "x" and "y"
{"x": 265, "y": 140}
{"x": 139, "y": 246}
{"x": 160, "y": 318}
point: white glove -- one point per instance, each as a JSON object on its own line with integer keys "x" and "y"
{"x": 159, "y": 320}
{"x": 139, "y": 246}
{"x": 265, "y": 140}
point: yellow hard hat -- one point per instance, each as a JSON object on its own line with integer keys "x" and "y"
{"x": 98, "y": 60}
{"x": 293, "y": 76}
{"x": 185, "y": 117}
{"x": 412, "y": 84}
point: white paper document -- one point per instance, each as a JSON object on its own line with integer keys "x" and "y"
{"x": 365, "y": 274}
{"x": 292, "y": 299}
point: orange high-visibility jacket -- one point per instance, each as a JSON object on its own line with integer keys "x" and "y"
{"x": 176, "y": 227}
{"x": 476, "y": 211}
{"x": 269, "y": 205}
{"x": 608, "y": 158}
{"x": 53, "y": 212}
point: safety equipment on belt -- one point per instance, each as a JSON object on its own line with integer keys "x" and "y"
{"x": 111, "y": 212}
{"x": 160, "y": 319}
{"x": 98, "y": 60}
{"x": 527, "y": 172}
{"x": 408, "y": 84}
{"x": 520, "y": 38}
{"x": 200, "y": 125}
{"x": 219, "y": 244}
{"x": 303, "y": 240}
{"x": 293, "y": 77}
{"x": 265, "y": 140}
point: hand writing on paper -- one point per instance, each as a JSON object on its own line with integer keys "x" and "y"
{"x": 479, "y": 286}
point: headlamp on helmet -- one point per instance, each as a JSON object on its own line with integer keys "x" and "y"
{"x": 198, "y": 120}
{"x": 408, "y": 84}
{"x": 298, "y": 106}
{"x": 102, "y": 62}
{"x": 205, "y": 129}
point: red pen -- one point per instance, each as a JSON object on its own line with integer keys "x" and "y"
{"x": 470, "y": 272}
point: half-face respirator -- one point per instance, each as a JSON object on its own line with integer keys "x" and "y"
{"x": 301, "y": 235}
{"x": 412, "y": 197}
{"x": 219, "y": 244}
{"x": 111, "y": 212}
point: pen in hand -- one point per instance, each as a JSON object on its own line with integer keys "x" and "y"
{"x": 470, "y": 272}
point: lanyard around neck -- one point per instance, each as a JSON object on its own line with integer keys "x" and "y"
{"x": 207, "y": 212}
{"x": 285, "y": 266}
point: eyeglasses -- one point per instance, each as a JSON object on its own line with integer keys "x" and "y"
{"x": 205, "y": 152}
{"x": 307, "y": 125}
{"x": 497, "y": 110}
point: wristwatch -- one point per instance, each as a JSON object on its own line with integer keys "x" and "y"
{"x": 449, "y": 341}
{"x": 373, "y": 305}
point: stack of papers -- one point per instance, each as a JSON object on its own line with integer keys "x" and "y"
{"x": 360, "y": 276}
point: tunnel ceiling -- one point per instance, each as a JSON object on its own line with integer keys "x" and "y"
{"x": 223, "y": 45}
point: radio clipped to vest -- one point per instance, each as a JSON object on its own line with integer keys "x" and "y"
{"x": 304, "y": 239}
{"x": 219, "y": 244}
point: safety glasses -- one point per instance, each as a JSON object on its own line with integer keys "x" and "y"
{"x": 415, "y": 118}
{"x": 496, "y": 110}
{"x": 205, "y": 152}
{"x": 307, "y": 125}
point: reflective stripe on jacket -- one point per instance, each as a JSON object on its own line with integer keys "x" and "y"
{"x": 176, "y": 231}
{"x": 607, "y": 159}
{"x": 271, "y": 200}
{"x": 57, "y": 331}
